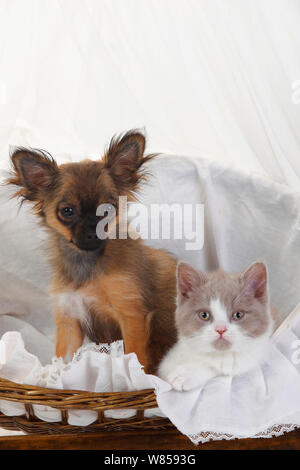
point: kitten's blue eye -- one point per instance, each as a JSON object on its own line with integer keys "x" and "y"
{"x": 238, "y": 316}
{"x": 204, "y": 316}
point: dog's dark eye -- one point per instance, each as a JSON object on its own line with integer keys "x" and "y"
{"x": 110, "y": 209}
{"x": 67, "y": 212}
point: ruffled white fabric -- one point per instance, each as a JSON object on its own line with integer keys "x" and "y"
{"x": 257, "y": 404}
{"x": 95, "y": 368}
{"x": 246, "y": 218}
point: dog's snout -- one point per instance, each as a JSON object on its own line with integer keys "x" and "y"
{"x": 91, "y": 221}
{"x": 90, "y": 241}
{"x": 85, "y": 234}
{"x": 92, "y": 236}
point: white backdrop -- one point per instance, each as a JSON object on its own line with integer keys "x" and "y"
{"x": 203, "y": 77}
{"x": 218, "y": 78}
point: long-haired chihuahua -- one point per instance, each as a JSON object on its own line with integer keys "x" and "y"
{"x": 105, "y": 289}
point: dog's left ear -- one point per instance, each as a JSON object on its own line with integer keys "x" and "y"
{"x": 125, "y": 157}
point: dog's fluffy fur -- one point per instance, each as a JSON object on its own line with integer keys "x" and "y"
{"x": 106, "y": 289}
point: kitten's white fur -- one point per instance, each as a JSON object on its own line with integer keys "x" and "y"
{"x": 192, "y": 361}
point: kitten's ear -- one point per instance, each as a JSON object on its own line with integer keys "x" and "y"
{"x": 34, "y": 171}
{"x": 188, "y": 279}
{"x": 255, "y": 280}
{"x": 124, "y": 158}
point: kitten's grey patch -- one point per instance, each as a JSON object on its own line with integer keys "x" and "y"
{"x": 219, "y": 343}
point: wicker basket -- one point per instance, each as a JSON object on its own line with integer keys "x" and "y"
{"x": 65, "y": 400}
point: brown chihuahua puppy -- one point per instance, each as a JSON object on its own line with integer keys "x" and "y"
{"x": 105, "y": 289}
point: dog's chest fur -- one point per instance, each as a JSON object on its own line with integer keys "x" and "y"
{"x": 103, "y": 304}
{"x": 130, "y": 289}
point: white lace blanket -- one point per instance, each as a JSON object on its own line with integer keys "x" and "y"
{"x": 263, "y": 402}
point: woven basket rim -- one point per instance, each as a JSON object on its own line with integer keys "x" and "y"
{"x": 76, "y": 399}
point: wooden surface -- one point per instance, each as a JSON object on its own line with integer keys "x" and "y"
{"x": 151, "y": 440}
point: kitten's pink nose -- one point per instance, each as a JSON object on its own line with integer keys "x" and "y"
{"x": 221, "y": 329}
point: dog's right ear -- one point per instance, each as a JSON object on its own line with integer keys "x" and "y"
{"x": 125, "y": 161}
{"x": 35, "y": 171}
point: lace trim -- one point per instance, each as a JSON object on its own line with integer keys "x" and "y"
{"x": 274, "y": 431}
{"x": 50, "y": 373}
{"x": 114, "y": 349}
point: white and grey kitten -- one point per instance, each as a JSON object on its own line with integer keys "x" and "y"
{"x": 224, "y": 323}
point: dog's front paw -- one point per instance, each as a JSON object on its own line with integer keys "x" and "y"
{"x": 183, "y": 380}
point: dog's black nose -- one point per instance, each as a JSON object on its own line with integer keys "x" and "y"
{"x": 90, "y": 242}
{"x": 91, "y": 236}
